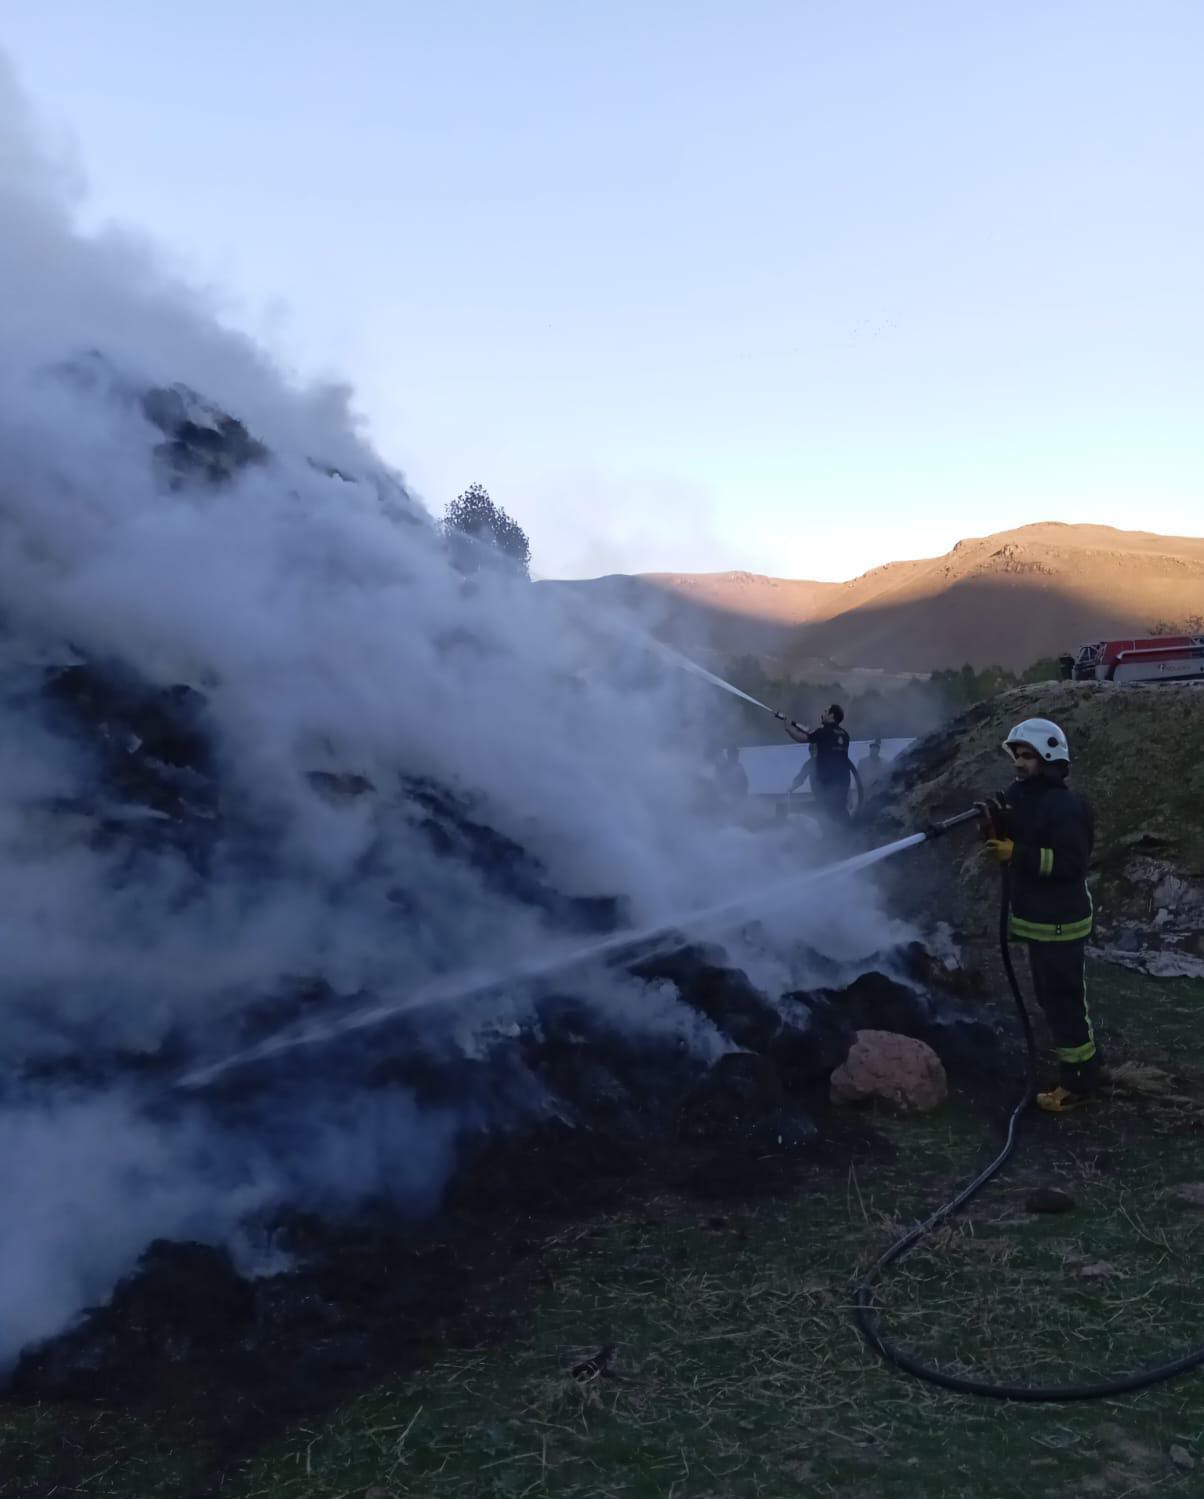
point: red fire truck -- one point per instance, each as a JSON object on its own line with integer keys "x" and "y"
{"x": 1159, "y": 658}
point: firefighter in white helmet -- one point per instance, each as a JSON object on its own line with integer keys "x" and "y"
{"x": 1046, "y": 835}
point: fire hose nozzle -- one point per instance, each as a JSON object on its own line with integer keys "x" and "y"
{"x": 992, "y": 817}
{"x": 995, "y": 817}
{"x": 937, "y": 829}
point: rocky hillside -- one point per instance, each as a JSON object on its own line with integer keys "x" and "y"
{"x": 1010, "y": 598}
{"x": 1138, "y": 756}
{"x": 710, "y": 615}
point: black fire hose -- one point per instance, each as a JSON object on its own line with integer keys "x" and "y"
{"x": 865, "y": 1312}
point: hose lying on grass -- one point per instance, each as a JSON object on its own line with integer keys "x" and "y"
{"x": 865, "y": 1312}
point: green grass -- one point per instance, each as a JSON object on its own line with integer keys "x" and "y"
{"x": 737, "y": 1371}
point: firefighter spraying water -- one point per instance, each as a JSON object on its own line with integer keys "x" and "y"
{"x": 830, "y": 770}
{"x": 1043, "y": 833}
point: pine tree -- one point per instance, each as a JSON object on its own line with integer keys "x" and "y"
{"x": 474, "y": 515}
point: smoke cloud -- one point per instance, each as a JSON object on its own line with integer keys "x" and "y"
{"x": 344, "y": 678}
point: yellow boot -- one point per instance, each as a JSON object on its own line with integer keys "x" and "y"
{"x": 1061, "y": 1100}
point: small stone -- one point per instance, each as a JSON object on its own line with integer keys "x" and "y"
{"x": 1181, "y": 1457}
{"x": 1100, "y": 1270}
{"x": 1049, "y": 1200}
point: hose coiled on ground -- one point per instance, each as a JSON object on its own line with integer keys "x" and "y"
{"x": 865, "y": 1311}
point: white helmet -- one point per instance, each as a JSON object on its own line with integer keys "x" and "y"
{"x": 1045, "y": 737}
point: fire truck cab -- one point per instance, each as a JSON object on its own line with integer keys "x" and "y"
{"x": 1159, "y": 658}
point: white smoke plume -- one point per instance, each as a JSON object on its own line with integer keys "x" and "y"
{"x": 311, "y": 603}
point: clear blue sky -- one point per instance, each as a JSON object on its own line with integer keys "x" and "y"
{"x": 792, "y": 285}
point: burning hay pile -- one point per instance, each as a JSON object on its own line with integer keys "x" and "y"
{"x": 352, "y": 903}
{"x": 478, "y": 1127}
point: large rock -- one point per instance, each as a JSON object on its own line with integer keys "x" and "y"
{"x": 892, "y": 1069}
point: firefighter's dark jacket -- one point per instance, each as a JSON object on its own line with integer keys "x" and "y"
{"x": 1054, "y": 832}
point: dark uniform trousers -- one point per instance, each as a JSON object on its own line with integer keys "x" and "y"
{"x": 832, "y": 800}
{"x": 1053, "y": 832}
{"x": 1060, "y": 986}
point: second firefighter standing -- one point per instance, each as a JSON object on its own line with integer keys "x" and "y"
{"x": 1045, "y": 839}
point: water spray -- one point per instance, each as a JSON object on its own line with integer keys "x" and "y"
{"x": 621, "y": 949}
{"x": 677, "y": 658}
{"x": 693, "y": 667}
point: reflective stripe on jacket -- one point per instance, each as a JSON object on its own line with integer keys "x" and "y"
{"x": 1054, "y": 832}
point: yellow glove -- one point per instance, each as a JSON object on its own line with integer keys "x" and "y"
{"x": 1001, "y": 849}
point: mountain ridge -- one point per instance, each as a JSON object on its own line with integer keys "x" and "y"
{"x": 1008, "y": 597}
